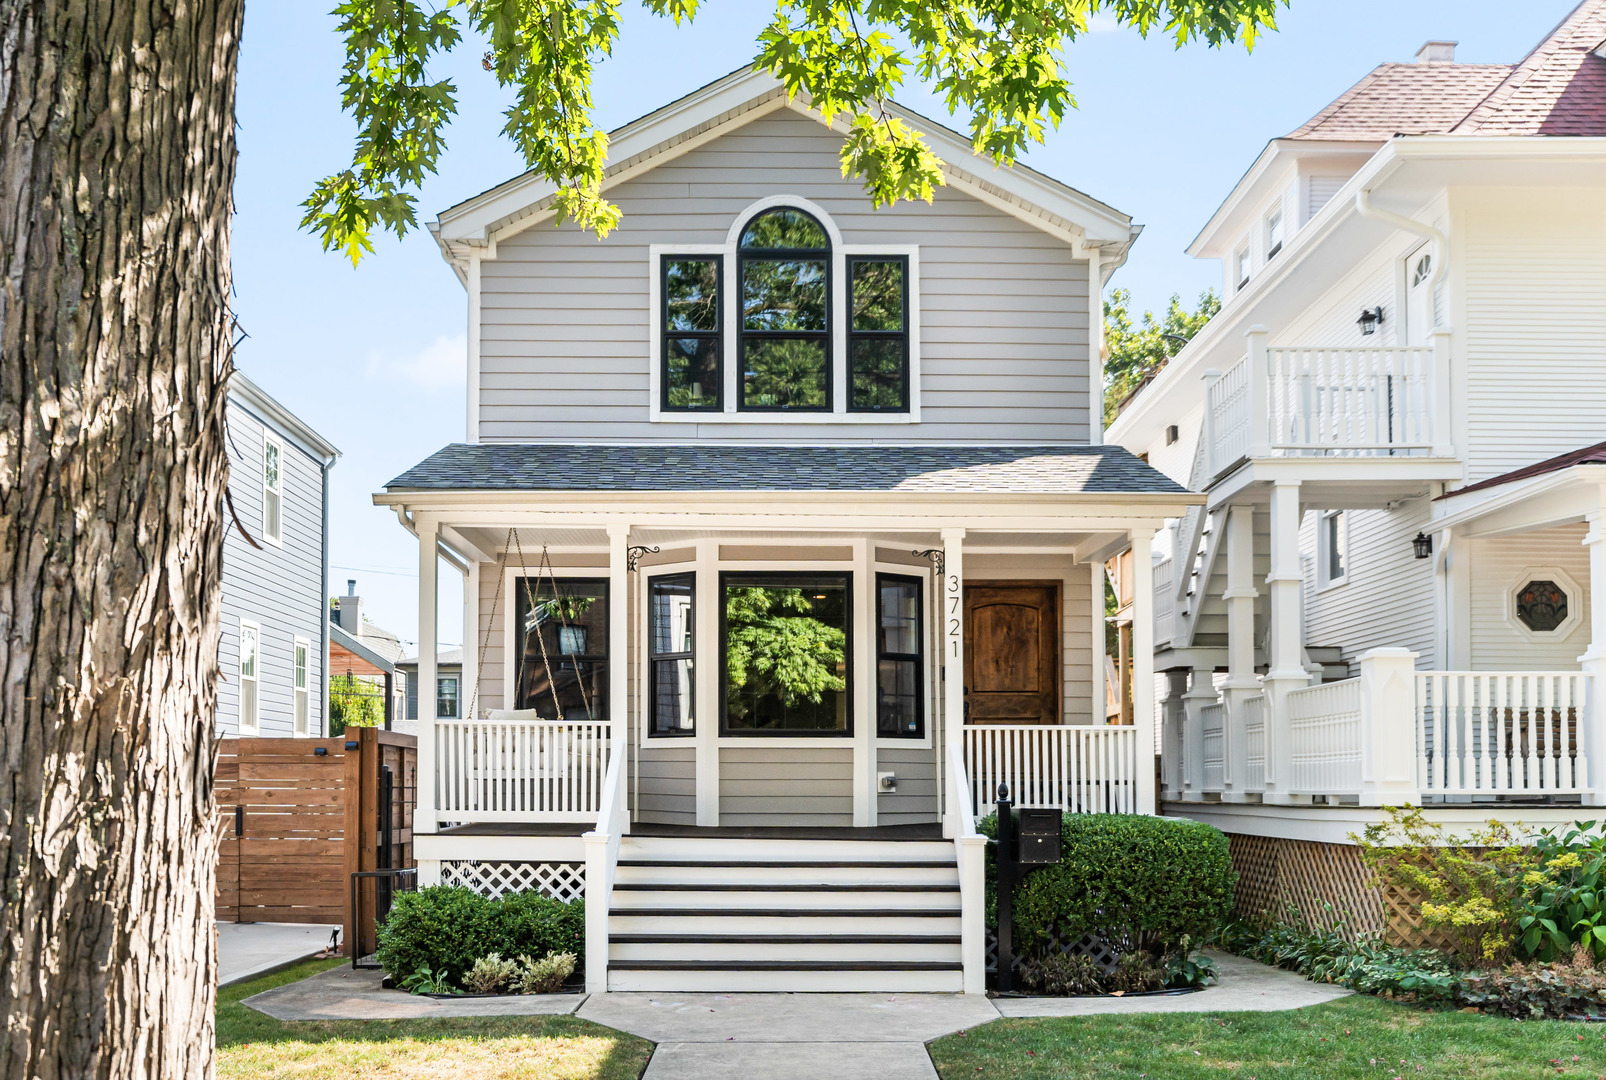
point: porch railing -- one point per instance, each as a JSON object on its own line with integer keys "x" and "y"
{"x": 520, "y": 770}
{"x": 1213, "y": 750}
{"x": 1165, "y": 602}
{"x": 1076, "y": 768}
{"x": 1487, "y": 732}
{"x": 1255, "y": 743}
{"x": 1324, "y": 735}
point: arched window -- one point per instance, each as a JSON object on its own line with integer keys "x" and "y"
{"x": 784, "y": 345}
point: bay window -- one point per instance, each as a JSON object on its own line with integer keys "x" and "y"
{"x": 785, "y": 642}
{"x": 900, "y": 705}
{"x": 671, "y": 655}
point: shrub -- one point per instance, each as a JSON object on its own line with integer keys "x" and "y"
{"x": 1567, "y": 990}
{"x": 446, "y": 929}
{"x": 1143, "y": 882}
{"x": 1565, "y": 905}
{"x": 425, "y": 981}
{"x": 543, "y": 976}
{"x": 490, "y": 975}
{"x": 1136, "y": 973}
{"x": 1361, "y": 962}
{"x": 1063, "y": 974}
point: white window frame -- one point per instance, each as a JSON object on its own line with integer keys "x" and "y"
{"x": 254, "y": 678}
{"x": 1575, "y": 604}
{"x": 841, "y": 374}
{"x": 301, "y": 688}
{"x": 1240, "y": 267}
{"x": 275, "y": 491}
{"x": 1324, "y": 552}
{"x": 457, "y": 694}
{"x": 1276, "y": 226}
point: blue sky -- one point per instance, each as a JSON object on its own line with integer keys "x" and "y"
{"x": 373, "y": 357}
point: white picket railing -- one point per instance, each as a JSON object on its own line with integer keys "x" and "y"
{"x": 1350, "y": 400}
{"x": 1213, "y": 734}
{"x": 1079, "y": 769}
{"x": 1165, "y": 601}
{"x": 520, "y": 770}
{"x": 1488, "y": 732}
{"x": 1324, "y": 738}
{"x": 1254, "y": 744}
{"x": 1227, "y": 401}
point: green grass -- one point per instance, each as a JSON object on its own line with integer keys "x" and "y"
{"x": 251, "y": 1044}
{"x": 1357, "y": 1037}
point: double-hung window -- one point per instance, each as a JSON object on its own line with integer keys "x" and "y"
{"x": 1332, "y": 544}
{"x": 1274, "y": 233}
{"x": 784, "y": 348}
{"x": 446, "y": 697}
{"x": 900, "y": 705}
{"x": 693, "y": 373}
{"x": 300, "y": 686}
{"x": 878, "y": 335}
{"x": 272, "y": 490}
{"x": 1240, "y": 262}
{"x": 250, "y": 649}
{"x": 672, "y": 655}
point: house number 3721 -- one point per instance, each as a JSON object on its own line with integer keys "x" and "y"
{"x": 953, "y": 615}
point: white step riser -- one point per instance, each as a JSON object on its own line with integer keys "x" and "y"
{"x": 864, "y": 982}
{"x": 728, "y": 923}
{"x": 729, "y": 850}
{"x": 869, "y": 902}
{"x": 880, "y": 952}
{"x": 749, "y": 873}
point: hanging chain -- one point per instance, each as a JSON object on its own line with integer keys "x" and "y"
{"x": 540, "y": 639}
{"x": 485, "y": 638}
{"x": 563, "y": 622}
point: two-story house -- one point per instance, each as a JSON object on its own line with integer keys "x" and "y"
{"x": 1396, "y": 592}
{"x": 782, "y": 521}
{"x": 274, "y": 647}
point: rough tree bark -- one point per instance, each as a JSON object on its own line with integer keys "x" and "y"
{"x": 116, "y": 163}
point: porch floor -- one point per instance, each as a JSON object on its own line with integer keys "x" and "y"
{"x": 922, "y": 831}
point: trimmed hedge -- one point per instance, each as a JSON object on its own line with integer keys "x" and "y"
{"x": 448, "y": 927}
{"x": 1143, "y": 882}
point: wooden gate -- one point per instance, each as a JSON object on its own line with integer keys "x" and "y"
{"x": 296, "y": 817}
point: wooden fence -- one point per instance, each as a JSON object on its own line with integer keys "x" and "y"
{"x": 297, "y": 817}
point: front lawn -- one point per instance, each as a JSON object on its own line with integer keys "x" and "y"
{"x": 253, "y": 1045}
{"x": 1357, "y": 1037}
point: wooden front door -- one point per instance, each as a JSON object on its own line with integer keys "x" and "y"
{"x": 1012, "y": 652}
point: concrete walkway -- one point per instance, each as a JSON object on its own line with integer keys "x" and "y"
{"x": 343, "y": 994}
{"x": 245, "y": 950}
{"x": 1245, "y": 986}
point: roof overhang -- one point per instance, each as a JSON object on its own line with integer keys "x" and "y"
{"x": 339, "y": 635}
{"x": 286, "y": 421}
{"x": 1564, "y": 497}
{"x": 1215, "y": 240}
{"x": 476, "y": 225}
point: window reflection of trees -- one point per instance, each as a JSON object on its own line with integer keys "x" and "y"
{"x": 786, "y": 656}
{"x": 573, "y": 628}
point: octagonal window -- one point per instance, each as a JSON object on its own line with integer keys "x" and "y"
{"x": 1542, "y": 605}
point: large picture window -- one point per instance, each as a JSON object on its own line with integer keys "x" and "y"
{"x": 671, "y": 654}
{"x": 900, "y": 705}
{"x": 878, "y": 336}
{"x": 562, "y": 648}
{"x": 692, "y": 345}
{"x": 785, "y": 641}
{"x": 784, "y": 263}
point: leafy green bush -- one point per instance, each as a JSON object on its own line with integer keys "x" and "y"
{"x": 1361, "y": 962}
{"x": 1565, "y": 904}
{"x": 446, "y": 929}
{"x": 543, "y": 976}
{"x": 1063, "y": 975}
{"x": 490, "y": 975}
{"x": 1145, "y": 883}
{"x": 1560, "y": 991}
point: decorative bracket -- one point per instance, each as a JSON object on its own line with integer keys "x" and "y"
{"x": 934, "y": 554}
{"x": 634, "y": 553}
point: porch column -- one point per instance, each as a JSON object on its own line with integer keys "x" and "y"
{"x": 1287, "y": 671}
{"x": 1143, "y": 664}
{"x": 428, "y": 595}
{"x": 953, "y": 664}
{"x": 1593, "y": 662}
{"x": 1100, "y": 713}
{"x": 1201, "y": 692}
{"x": 1241, "y": 683}
{"x": 619, "y": 648}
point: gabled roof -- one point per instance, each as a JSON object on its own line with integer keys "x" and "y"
{"x": 746, "y": 95}
{"x": 929, "y": 469}
{"x": 270, "y": 411}
{"x": 338, "y": 635}
{"x": 1589, "y": 455}
{"x": 1404, "y": 99}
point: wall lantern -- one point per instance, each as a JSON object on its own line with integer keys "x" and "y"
{"x": 1370, "y": 320}
{"x": 1422, "y": 545}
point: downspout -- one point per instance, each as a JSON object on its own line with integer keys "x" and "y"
{"x": 1441, "y": 243}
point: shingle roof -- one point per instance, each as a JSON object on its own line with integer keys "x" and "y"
{"x": 1048, "y": 470}
{"x": 1558, "y": 89}
{"x": 1589, "y": 455}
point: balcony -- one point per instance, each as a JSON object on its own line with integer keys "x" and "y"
{"x": 1337, "y": 401}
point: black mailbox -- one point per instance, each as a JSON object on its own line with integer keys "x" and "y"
{"x": 1039, "y": 837}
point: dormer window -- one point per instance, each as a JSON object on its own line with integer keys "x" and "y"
{"x": 784, "y": 260}
{"x": 1274, "y": 232}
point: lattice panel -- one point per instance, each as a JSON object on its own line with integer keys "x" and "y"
{"x": 1275, "y": 874}
{"x": 558, "y": 881}
{"x": 1092, "y": 945}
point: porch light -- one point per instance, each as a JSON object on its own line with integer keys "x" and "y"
{"x": 1370, "y": 320}
{"x": 1422, "y": 545}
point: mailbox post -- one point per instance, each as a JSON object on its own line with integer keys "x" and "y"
{"x": 1038, "y": 845}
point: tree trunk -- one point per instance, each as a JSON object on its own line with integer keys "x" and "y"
{"x": 116, "y": 163}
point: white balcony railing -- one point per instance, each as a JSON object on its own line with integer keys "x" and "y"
{"x": 1079, "y": 769}
{"x": 1165, "y": 601}
{"x": 1227, "y": 413}
{"x": 1213, "y": 738}
{"x": 1324, "y": 737}
{"x": 1493, "y": 732}
{"x": 1254, "y": 743}
{"x": 520, "y": 770}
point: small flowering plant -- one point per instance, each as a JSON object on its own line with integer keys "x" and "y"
{"x": 1565, "y": 906}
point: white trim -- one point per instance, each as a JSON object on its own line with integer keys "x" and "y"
{"x": 472, "y": 434}
{"x": 1324, "y": 580}
{"x": 458, "y": 679}
{"x": 301, "y": 687}
{"x": 271, "y": 441}
{"x": 928, "y": 667}
{"x": 510, "y": 628}
{"x": 255, "y": 678}
{"x": 1575, "y": 605}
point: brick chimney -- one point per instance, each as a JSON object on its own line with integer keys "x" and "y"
{"x": 1436, "y": 52}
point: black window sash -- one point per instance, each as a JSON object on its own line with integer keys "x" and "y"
{"x": 654, "y": 656}
{"x": 744, "y": 335}
{"x": 559, "y": 661}
{"x": 918, "y": 657}
{"x": 900, "y": 336}
{"x": 667, "y": 334}
{"x": 781, "y": 579}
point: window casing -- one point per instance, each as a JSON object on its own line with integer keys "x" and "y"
{"x": 272, "y": 490}
{"x": 692, "y": 344}
{"x": 672, "y": 655}
{"x": 804, "y": 616}
{"x": 300, "y": 686}
{"x": 1332, "y": 548}
{"x": 561, "y": 647}
{"x": 1240, "y": 260}
{"x": 900, "y": 657}
{"x": 446, "y": 697}
{"x": 250, "y": 661}
{"x": 878, "y": 333}
{"x": 783, "y": 267}
{"x": 1274, "y": 232}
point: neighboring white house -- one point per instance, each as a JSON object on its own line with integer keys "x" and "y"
{"x": 274, "y": 647}
{"x": 766, "y": 494}
{"x": 1397, "y": 589}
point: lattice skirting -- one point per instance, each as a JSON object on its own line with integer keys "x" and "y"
{"x": 1322, "y": 883}
{"x": 1094, "y": 945}
{"x": 559, "y": 881}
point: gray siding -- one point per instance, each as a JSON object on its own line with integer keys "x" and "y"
{"x": 772, "y": 783}
{"x": 916, "y": 798}
{"x": 281, "y": 588}
{"x": 668, "y": 791}
{"x": 1003, "y": 323}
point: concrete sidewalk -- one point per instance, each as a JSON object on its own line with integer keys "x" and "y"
{"x": 343, "y": 994}
{"x": 245, "y": 950}
{"x": 1245, "y": 986}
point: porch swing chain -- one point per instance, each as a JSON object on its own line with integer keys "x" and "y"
{"x": 540, "y": 638}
